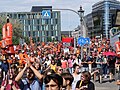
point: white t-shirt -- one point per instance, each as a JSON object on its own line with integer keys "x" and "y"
{"x": 76, "y": 79}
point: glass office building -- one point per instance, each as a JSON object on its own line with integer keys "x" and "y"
{"x": 36, "y": 26}
{"x": 103, "y": 12}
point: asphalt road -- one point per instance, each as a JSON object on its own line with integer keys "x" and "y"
{"x": 106, "y": 85}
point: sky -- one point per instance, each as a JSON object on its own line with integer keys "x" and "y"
{"x": 69, "y": 20}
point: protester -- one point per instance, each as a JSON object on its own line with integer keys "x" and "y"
{"x": 53, "y": 82}
{"x": 30, "y": 82}
{"x": 37, "y": 66}
{"x": 5, "y": 67}
{"x": 68, "y": 81}
{"x": 47, "y": 59}
{"x": 59, "y": 70}
{"x": 85, "y": 83}
{"x": 64, "y": 63}
{"x": 104, "y": 66}
{"x": 70, "y": 64}
{"x": 84, "y": 63}
{"x": 8, "y": 82}
{"x": 111, "y": 64}
{"x": 76, "y": 74}
{"x": 99, "y": 67}
{"x": 53, "y": 65}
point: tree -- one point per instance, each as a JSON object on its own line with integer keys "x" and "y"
{"x": 17, "y": 29}
{"x": 49, "y": 39}
{"x": 27, "y": 40}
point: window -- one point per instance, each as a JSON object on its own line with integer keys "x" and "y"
{"x": 29, "y": 33}
{"x": 28, "y": 22}
{"x": 33, "y": 21}
{"x": 52, "y": 33}
{"x": 38, "y": 21}
{"x": 46, "y": 21}
{"x": 56, "y": 27}
{"x": 24, "y": 33}
{"x": 56, "y": 33}
{"x": 38, "y": 33}
{"x": 31, "y": 27}
{"x": 34, "y": 33}
{"x": 38, "y": 16}
{"x": 51, "y": 27}
{"x": 56, "y": 21}
{"x": 43, "y": 21}
{"x": 51, "y": 21}
{"x": 47, "y": 32}
{"x": 42, "y": 27}
{"x": 56, "y": 14}
{"x": 43, "y": 33}
{"x": 46, "y": 27}
{"x": 33, "y": 16}
{"x": 37, "y": 27}
{"x": 43, "y": 39}
{"x": 15, "y": 16}
{"x": 34, "y": 27}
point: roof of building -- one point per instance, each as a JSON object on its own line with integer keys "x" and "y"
{"x": 102, "y": 1}
{"x": 40, "y": 8}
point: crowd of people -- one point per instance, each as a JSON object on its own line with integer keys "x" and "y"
{"x": 47, "y": 66}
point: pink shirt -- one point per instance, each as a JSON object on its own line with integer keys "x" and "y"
{"x": 70, "y": 63}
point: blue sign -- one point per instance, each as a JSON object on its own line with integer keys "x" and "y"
{"x": 46, "y": 14}
{"x": 82, "y": 41}
{"x": 87, "y": 40}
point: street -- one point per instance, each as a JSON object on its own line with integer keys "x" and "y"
{"x": 106, "y": 85}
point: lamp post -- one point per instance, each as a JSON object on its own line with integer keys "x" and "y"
{"x": 81, "y": 13}
{"x": 83, "y": 33}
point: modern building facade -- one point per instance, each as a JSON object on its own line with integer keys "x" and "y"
{"x": 103, "y": 17}
{"x": 36, "y": 26}
{"x": 89, "y": 23}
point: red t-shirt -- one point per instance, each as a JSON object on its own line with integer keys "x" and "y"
{"x": 8, "y": 86}
{"x": 64, "y": 64}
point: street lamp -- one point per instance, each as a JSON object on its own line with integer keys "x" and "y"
{"x": 83, "y": 33}
{"x": 81, "y": 13}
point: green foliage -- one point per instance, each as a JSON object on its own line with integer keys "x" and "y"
{"x": 27, "y": 40}
{"x": 0, "y": 32}
{"x": 49, "y": 39}
{"x": 15, "y": 40}
{"x": 2, "y": 21}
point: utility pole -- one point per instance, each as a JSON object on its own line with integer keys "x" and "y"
{"x": 83, "y": 31}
